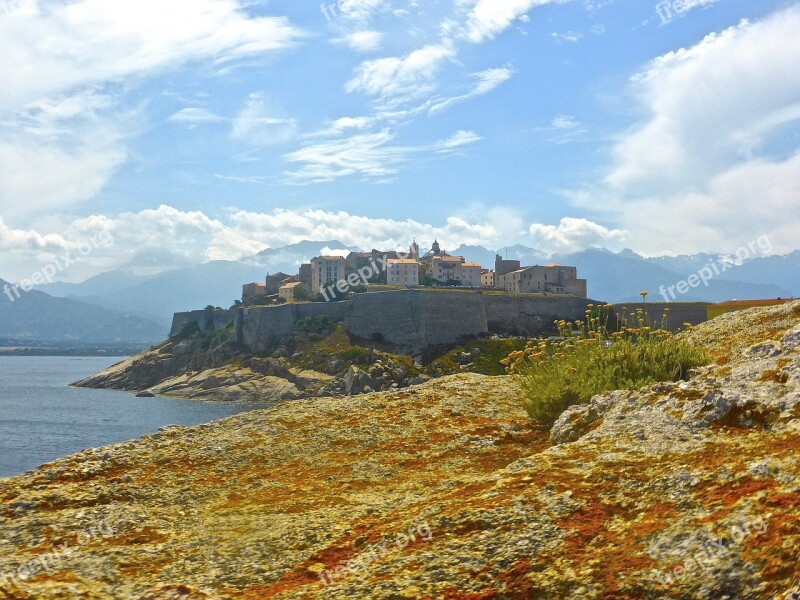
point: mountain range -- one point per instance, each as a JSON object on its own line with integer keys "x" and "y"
{"x": 125, "y": 303}
{"x": 36, "y": 317}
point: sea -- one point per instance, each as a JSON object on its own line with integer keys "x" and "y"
{"x": 42, "y": 418}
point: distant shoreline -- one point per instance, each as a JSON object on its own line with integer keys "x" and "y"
{"x": 90, "y": 351}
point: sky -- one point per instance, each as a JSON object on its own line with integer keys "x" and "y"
{"x": 197, "y": 130}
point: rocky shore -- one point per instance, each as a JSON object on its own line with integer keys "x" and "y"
{"x": 443, "y": 490}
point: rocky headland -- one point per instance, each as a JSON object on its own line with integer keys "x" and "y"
{"x": 442, "y": 490}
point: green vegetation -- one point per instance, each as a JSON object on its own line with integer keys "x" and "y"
{"x": 188, "y": 330}
{"x": 569, "y": 370}
{"x": 320, "y": 343}
{"x": 488, "y": 360}
{"x": 261, "y": 300}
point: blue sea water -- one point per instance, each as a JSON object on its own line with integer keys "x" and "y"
{"x": 42, "y": 419}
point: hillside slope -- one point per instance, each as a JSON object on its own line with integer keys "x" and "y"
{"x": 36, "y": 316}
{"x": 445, "y": 490}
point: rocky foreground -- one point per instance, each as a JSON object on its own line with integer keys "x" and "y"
{"x": 446, "y": 490}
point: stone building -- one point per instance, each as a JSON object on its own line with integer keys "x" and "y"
{"x": 305, "y": 275}
{"x": 402, "y": 271}
{"x": 326, "y": 270}
{"x": 253, "y": 290}
{"x": 290, "y": 291}
{"x": 553, "y": 278}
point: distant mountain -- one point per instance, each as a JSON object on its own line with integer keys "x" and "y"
{"x": 218, "y": 283}
{"x": 38, "y": 317}
{"x": 526, "y": 256}
{"x": 476, "y": 254}
{"x": 289, "y": 258}
{"x": 619, "y": 277}
{"x": 614, "y": 277}
{"x": 104, "y": 283}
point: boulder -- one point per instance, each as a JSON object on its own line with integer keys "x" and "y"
{"x": 356, "y": 380}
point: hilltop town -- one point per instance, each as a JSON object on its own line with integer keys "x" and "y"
{"x": 331, "y": 277}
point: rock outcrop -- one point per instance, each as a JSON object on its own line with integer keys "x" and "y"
{"x": 445, "y": 490}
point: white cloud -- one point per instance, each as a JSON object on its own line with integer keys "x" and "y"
{"x": 53, "y": 48}
{"x": 193, "y": 116}
{"x": 179, "y": 238}
{"x": 574, "y": 235}
{"x": 566, "y": 129}
{"x": 398, "y": 79}
{"x": 369, "y": 155}
{"x": 487, "y": 81}
{"x": 701, "y": 169}
{"x": 64, "y": 120}
{"x": 711, "y": 105}
{"x": 56, "y": 152}
{"x": 362, "y": 41}
{"x": 570, "y": 36}
{"x": 488, "y": 18}
{"x": 361, "y": 11}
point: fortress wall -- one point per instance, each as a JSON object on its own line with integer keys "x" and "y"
{"x": 207, "y": 320}
{"x": 414, "y": 319}
{"x": 450, "y": 316}
{"x": 259, "y": 328}
{"x": 531, "y": 314}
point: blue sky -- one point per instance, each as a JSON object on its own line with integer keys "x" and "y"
{"x": 212, "y": 129}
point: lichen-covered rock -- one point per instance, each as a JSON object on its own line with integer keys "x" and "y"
{"x": 446, "y": 490}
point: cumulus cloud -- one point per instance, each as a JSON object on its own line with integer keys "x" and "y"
{"x": 362, "y": 41}
{"x": 574, "y": 235}
{"x": 700, "y": 169}
{"x": 174, "y": 237}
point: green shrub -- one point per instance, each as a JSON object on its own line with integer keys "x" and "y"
{"x": 579, "y": 364}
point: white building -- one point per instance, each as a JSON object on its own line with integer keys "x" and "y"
{"x": 402, "y": 271}
{"x": 326, "y": 270}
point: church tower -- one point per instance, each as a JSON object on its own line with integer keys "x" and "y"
{"x": 414, "y": 250}
{"x": 436, "y": 249}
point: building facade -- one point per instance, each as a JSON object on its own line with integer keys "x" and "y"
{"x": 402, "y": 271}
{"x": 305, "y": 276}
{"x": 553, "y": 279}
{"x": 289, "y": 291}
{"x": 446, "y": 268}
{"x": 253, "y": 290}
{"x": 326, "y": 270}
{"x": 487, "y": 278}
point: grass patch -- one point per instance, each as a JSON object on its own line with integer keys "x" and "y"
{"x": 489, "y": 362}
{"x": 586, "y": 361}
